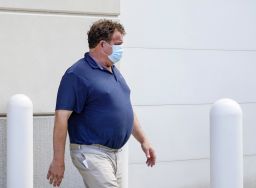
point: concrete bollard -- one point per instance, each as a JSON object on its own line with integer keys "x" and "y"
{"x": 226, "y": 144}
{"x": 19, "y": 142}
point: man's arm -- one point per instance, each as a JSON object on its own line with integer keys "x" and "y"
{"x": 145, "y": 145}
{"x": 57, "y": 167}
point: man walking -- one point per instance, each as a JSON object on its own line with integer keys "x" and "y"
{"x": 93, "y": 106}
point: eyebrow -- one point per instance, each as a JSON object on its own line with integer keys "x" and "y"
{"x": 118, "y": 43}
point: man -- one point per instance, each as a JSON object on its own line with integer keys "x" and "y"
{"x": 93, "y": 106}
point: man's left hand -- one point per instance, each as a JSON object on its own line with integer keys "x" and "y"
{"x": 149, "y": 152}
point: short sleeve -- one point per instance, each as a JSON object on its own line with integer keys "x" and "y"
{"x": 71, "y": 94}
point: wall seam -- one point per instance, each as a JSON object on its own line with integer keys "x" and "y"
{"x": 187, "y": 104}
{"x": 192, "y": 49}
{"x": 186, "y": 160}
{"x": 57, "y": 12}
{"x": 3, "y": 115}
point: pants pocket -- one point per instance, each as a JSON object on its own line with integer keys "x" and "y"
{"x": 79, "y": 160}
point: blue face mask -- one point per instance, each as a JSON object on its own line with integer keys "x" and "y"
{"x": 117, "y": 52}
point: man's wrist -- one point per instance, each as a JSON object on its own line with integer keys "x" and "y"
{"x": 144, "y": 141}
{"x": 58, "y": 160}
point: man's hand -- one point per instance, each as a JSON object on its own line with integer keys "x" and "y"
{"x": 56, "y": 173}
{"x": 149, "y": 152}
{"x": 145, "y": 145}
{"x": 56, "y": 170}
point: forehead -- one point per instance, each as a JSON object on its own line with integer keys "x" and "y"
{"x": 117, "y": 36}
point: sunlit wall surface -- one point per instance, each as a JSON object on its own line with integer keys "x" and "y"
{"x": 180, "y": 57}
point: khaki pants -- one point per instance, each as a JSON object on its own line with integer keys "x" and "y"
{"x": 99, "y": 166}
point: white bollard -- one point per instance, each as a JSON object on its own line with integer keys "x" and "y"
{"x": 226, "y": 144}
{"x": 19, "y": 142}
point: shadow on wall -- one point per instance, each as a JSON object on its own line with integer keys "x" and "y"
{"x": 43, "y": 129}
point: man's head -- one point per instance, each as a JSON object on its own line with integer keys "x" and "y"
{"x": 103, "y": 36}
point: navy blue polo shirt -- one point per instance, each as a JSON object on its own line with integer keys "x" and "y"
{"x": 100, "y": 101}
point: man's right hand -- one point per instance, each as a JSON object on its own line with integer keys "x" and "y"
{"x": 57, "y": 167}
{"x": 56, "y": 173}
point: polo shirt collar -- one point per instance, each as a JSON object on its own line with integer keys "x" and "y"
{"x": 96, "y": 65}
{"x": 92, "y": 62}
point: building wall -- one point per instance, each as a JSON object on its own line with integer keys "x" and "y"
{"x": 39, "y": 40}
{"x": 180, "y": 57}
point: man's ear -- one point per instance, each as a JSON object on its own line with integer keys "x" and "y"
{"x": 102, "y": 43}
